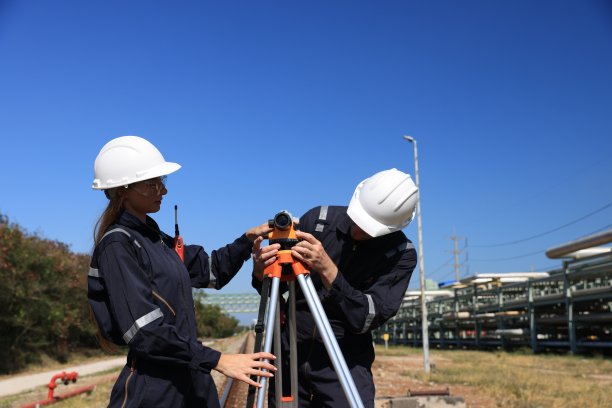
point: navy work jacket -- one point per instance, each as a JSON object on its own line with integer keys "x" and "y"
{"x": 140, "y": 293}
{"x": 373, "y": 276}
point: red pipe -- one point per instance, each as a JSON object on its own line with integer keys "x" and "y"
{"x": 66, "y": 378}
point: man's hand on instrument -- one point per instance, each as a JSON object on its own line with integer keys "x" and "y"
{"x": 311, "y": 252}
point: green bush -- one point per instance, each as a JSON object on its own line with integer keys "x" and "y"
{"x": 211, "y": 322}
{"x": 43, "y": 301}
{"x": 43, "y": 298}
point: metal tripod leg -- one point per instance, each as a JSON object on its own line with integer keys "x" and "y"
{"x": 293, "y": 345}
{"x": 278, "y": 376}
{"x": 272, "y": 306}
{"x": 278, "y": 382}
{"x": 331, "y": 344}
{"x": 259, "y": 330}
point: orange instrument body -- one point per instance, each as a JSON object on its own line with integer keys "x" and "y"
{"x": 283, "y": 233}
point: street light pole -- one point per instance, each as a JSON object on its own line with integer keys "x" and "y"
{"x": 424, "y": 323}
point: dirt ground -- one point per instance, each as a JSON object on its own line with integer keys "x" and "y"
{"x": 392, "y": 377}
{"x": 392, "y": 380}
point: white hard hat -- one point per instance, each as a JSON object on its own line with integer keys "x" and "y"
{"x": 129, "y": 159}
{"x": 384, "y": 203}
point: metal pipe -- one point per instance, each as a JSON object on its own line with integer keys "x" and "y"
{"x": 560, "y": 251}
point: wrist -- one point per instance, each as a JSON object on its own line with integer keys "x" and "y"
{"x": 329, "y": 275}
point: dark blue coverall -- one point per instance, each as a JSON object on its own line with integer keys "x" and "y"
{"x": 140, "y": 294}
{"x": 373, "y": 276}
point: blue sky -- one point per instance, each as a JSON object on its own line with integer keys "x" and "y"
{"x": 272, "y": 105}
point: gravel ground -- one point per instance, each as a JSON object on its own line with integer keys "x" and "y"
{"x": 389, "y": 377}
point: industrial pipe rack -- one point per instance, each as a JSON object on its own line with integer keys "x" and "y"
{"x": 569, "y": 309}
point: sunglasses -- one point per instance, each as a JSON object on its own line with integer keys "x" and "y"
{"x": 150, "y": 188}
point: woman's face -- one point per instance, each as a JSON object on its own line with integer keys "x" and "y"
{"x": 145, "y": 197}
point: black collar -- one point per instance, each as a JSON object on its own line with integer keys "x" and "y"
{"x": 150, "y": 229}
{"x": 344, "y": 226}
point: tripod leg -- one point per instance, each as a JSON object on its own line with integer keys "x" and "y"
{"x": 261, "y": 395}
{"x": 331, "y": 344}
{"x": 278, "y": 376}
{"x": 259, "y": 328}
{"x": 293, "y": 345}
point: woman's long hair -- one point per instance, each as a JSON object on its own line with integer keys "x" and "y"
{"x": 116, "y": 197}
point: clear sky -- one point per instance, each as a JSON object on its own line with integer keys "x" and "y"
{"x": 272, "y": 105}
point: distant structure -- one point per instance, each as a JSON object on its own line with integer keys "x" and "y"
{"x": 566, "y": 308}
{"x": 234, "y": 303}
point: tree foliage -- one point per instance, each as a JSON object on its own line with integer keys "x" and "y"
{"x": 211, "y": 321}
{"x": 43, "y": 298}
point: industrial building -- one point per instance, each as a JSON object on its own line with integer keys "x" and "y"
{"x": 569, "y": 308}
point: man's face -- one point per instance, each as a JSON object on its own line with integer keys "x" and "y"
{"x": 358, "y": 234}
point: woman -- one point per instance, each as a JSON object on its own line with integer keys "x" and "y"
{"x": 139, "y": 289}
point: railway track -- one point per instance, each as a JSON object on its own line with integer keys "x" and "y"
{"x": 235, "y": 392}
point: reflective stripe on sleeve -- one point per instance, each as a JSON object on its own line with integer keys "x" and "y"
{"x": 93, "y": 272}
{"x": 371, "y": 314}
{"x": 212, "y": 283}
{"x": 404, "y": 246}
{"x": 116, "y": 230}
{"x": 140, "y": 323}
{"x": 322, "y": 216}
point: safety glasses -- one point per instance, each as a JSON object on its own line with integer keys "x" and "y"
{"x": 150, "y": 188}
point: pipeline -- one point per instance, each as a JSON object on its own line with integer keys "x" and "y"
{"x": 66, "y": 378}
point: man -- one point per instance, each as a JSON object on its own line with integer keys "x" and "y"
{"x": 361, "y": 263}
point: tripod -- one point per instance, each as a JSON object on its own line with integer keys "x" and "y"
{"x": 287, "y": 269}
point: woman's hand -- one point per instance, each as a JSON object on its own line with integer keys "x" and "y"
{"x": 258, "y": 231}
{"x": 242, "y": 366}
{"x": 263, "y": 257}
{"x": 311, "y": 252}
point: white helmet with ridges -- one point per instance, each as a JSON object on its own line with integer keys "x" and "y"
{"x": 129, "y": 159}
{"x": 384, "y": 203}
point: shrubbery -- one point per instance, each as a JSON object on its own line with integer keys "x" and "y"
{"x": 43, "y": 301}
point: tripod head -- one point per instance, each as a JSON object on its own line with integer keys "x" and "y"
{"x": 283, "y": 231}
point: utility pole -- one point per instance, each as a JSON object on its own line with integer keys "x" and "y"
{"x": 424, "y": 319}
{"x": 456, "y": 251}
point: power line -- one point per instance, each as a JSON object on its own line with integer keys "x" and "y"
{"x": 546, "y": 232}
{"x": 509, "y": 258}
{"x": 596, "y": 231}
{"x": 442, "y": 266}
{"x": 537, "y": 252}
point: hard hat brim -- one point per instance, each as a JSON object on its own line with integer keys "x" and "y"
{"x": 162, "y": 169}
{"x": 364, "y": 221}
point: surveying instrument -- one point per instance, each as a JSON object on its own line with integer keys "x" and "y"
{"x": 287, "y": 269}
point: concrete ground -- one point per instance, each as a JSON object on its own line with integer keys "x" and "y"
{"x": 20, "y": 383}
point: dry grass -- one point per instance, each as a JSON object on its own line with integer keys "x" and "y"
{"x": 521, "y": 380}
{"x": 485, "y": 379}
{"x": 104, "y": 381}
